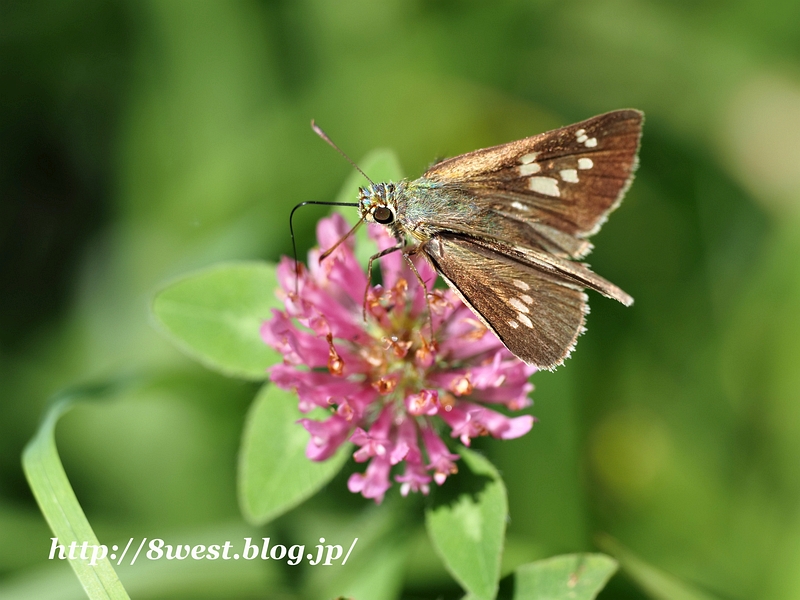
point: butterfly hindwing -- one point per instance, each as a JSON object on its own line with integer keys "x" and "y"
{"x": 568, "y": 270}
{"x": 538, "y": 315}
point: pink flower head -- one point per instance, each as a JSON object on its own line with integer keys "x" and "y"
{"x": 390, "y": 383}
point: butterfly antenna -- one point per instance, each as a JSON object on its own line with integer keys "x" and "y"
{"x": 294, "y": 245}
{"x": 325, "y": 137}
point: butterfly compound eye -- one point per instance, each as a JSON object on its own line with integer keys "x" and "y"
{"x": 383, "y": 215}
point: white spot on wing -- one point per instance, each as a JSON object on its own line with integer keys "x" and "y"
{"x": 529, "y": 169}
{"x": 585, "y": 163}
{"x": 582, "y": 138}
{"x": 519, "y": 206}
{"x": 516, "y": 303}
{"x": 513, "y": 324}
{"x": 528, "y": 158}
{"x": 591, "y": 143}
{"x": 580, "y": 132}
{"x": 526, "y": 299}
{"x": 525, "y": 320}
{"x": 521, "y": 285}
{"x": 544, "y": 185}
{"x": 570, "y": 175}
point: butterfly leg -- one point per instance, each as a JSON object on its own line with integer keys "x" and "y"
{"x": 407, "y": 253}
{"x": 399, "y": 246}
{"x": 407, "y": 256}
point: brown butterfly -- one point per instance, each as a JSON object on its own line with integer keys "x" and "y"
{"x": 504, "y": 227}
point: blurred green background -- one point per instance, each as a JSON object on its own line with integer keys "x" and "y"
{"x": 141, "y": 140}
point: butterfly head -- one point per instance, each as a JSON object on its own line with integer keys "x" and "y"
{"x": 377, "y": 203}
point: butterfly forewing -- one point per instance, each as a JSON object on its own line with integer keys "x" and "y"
{"x": 558, "y": 186}
{"x": 538, "y": 315}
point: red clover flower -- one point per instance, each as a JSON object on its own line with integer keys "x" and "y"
{"x": 391, "y": 388}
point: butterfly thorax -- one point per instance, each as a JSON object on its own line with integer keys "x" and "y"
{"x": 419, "y": 208}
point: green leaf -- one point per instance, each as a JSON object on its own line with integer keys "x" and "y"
{"x": 655, "y": 582}
{"x": 567, "y": 577}
{"x": 274, "y": 473}
{"x": 468, "y": 532}
{"x": 214, "y": 315}
{"x": 57, "y": 501}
